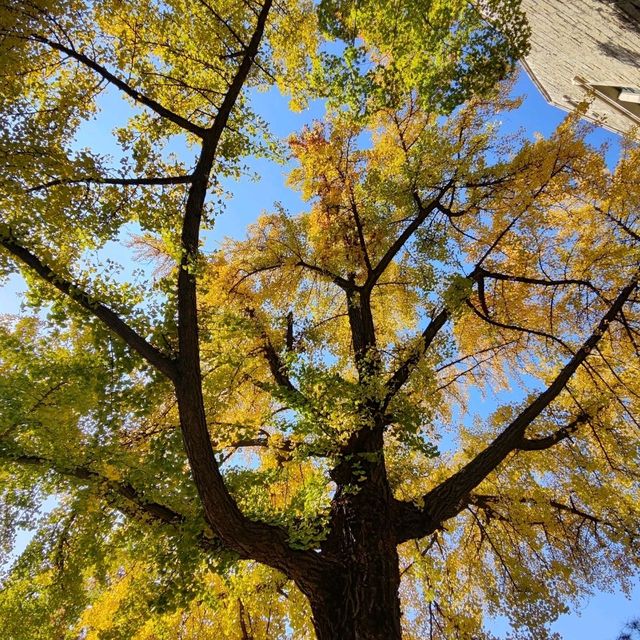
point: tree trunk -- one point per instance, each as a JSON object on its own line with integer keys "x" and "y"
{"x": 360, "y": 602}
{"x": 357, "y": 599}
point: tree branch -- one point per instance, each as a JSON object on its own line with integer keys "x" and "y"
{"x": 335, "y": 278}
{"x": 256, "y": 540}
{"x": 401, "y": 375}
{"x": 486, "y": 502}
{"x": 154, "y": 510}
{"x": 360, "y": 230}
{"x": 150, "y": 353}
{"x": 449, "y": 497}
{"x": 152, "y": 104}
{"x": 515, "y": 327}
{"x": 283, "y": 448}
{"x": 165, "y": 180}
{"x": 423, "y": 213}
{"x": 482, "y": 273}
{"x": 277, "y": 367}
{"x": 626, "y": 228}
{"x": 540, "y": 444}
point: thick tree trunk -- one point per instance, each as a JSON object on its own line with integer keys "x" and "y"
{"x": 357, "y": 599}
{"x": 360, "y": 602}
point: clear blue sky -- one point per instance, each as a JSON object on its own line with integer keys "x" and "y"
{"x": 603, "y": 615}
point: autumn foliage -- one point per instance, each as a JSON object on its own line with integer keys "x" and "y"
{"x": 289, "y": 436}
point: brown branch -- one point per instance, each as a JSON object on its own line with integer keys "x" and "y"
{"x": 245, "y": 632}
{"x": 360, "y": 230}
{"x": 343, "y": 283}
{"x": 424, "y": 211}
{"x": 498, "y": 239}
{"x": 474, "y": 355}
{"x": 154, "y": 510}
{"x": 257, "y": 540}
{"x": 150, "y": 353}
{"x": 166, "y": 180}
{"x": 402, "y": 373}
{"x": 224, "y": 22}
{"x": 449, "y": 497}
{"x": 486, "y": 502}
{"x": 152, "y": 104}
{"x": 540, "y": 444}
{"x": 450, "y": 213}
{"x": 515, "y": 327}
{"x": 484, "y": 273}
{"x": 555, "y": 171}
{"x": 619, "y": 223}
{"x": 470, "y": 369}
{"x": 289, "y": 337}
{"x": 482, "y": 296}
{"x": 278, "y": 368}
{"x": 283, "y": 447}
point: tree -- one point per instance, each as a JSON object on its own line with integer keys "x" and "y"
{"x": 629, "y": 629}
{"x": 333, "y": 347}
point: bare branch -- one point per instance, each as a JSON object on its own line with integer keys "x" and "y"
{"x": 484, "y": 273}
{"x": 164, "y": 180}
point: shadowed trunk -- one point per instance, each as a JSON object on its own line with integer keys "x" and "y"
{"x": 360, "y": 602}
{"x": 358, "y": 598}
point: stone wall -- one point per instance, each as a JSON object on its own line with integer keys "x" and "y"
{"x": 586, "y": 47}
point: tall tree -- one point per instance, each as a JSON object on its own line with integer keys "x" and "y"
{"x": 336, "y": 348}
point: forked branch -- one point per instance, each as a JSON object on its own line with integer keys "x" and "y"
{"x": 546, "y": 442}
{"x": 449, "y": 497}
{"x": 424, "y": 211}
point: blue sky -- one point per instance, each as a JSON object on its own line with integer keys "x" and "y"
{"x": 604, "y": 614}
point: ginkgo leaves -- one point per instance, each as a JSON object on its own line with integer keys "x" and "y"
{"x": 281, "y": 399}
{"x": 460, "y": 53}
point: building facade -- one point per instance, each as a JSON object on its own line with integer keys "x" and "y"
{"x": 588, "y": 49}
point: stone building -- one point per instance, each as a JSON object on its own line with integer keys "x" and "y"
{"x": 587, "y": 48}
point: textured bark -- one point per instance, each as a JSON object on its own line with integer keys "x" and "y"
{"x": 357, "y": 596}
{"x": 358, "y": 599}
{"x": 359, "y": 604}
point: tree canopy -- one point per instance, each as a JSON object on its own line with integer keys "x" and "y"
{"x": 283, "y": 437}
